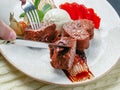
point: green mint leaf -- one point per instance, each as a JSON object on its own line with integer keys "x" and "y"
{"x": 46, "y": 8}
{"x": 36, "y": 3}
{"x": 22, "y": 15}
{"x": 40, "y": 14}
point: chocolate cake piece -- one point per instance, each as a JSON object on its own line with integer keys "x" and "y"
{"x": 88, "y": 25}
{"x": 46, "y": 33}
{"x": 62, "y": 53}
{"x": 75, "y": 30}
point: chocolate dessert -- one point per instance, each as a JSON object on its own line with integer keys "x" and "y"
{"x": 75, "y": 30}
{"x": 80, "y": 70}
{"x": 88, "y": 25}
{"x": 67, "y": 49}
{"x": 46, "y": 33}
{"x": 73, "y": 62}
{"x": 62, "y": 54}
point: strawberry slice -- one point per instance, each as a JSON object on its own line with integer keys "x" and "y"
{"x": 83, "y": 10}
{"x": 89, "y": 14}
{"x": 70, "y": 9}
{"x": 96, "y": 20}
{"x": 80, "y": 11}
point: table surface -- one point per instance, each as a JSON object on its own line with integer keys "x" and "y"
{"x": 115, "y": 4}
{"x": 12, "y": 79}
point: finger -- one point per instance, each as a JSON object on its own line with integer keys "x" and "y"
{"x": 6, "y": 32}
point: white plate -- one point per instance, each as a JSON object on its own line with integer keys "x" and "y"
{"x": 102, "y": 55}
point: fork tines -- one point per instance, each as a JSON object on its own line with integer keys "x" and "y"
{"x": 32, "y": 15}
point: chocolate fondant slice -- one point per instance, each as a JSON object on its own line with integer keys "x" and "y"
{"x": 62, "y": 57}
{"x": 45, "y": 33}
{"x": 88, "y": 25}
{"x": 77, "y": 30}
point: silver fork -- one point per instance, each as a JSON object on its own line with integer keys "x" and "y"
{"x": 32, "y": 14}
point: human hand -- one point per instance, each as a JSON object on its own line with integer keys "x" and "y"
{"x": 6, "y": 32}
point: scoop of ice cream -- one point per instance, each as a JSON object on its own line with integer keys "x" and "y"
{"x": 58, "y": 16}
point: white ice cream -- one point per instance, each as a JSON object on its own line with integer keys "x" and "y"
{"x": 58, "y": 16}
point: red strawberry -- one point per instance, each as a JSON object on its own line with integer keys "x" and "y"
{"x": 96, "y": 20}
